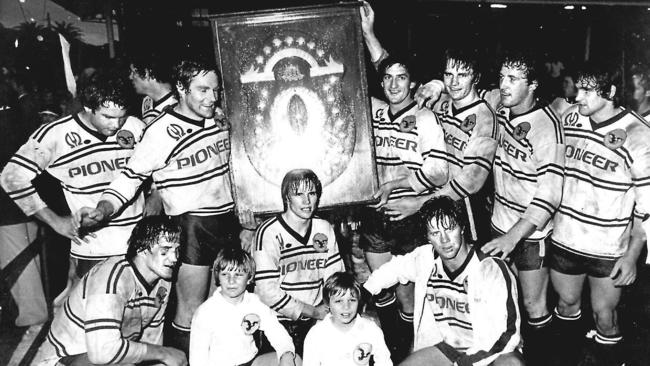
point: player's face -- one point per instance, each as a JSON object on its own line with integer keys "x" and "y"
{"x": 108, "y": 118}
{"x": 201, "y": 98}
{"x": 588, "y": 100}
{"x": 459, "y": 81}
{"x": 514, "y": 86}
{"x": 397, "y": 86}
{"x": 343, "y": 308}
{"x": 447, "y": 240}
{"x": 639, "y": 91}
{"x": 302, "y": 203}
{"x": 233, "y": 283}
{"x": 139, "y": 83}
{"x": 162, "y": 259}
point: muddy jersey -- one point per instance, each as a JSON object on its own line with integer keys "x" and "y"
{"x": 409, "y": 143}
{"x": 607, "y": 171}
{"x": 153, "y": 109}
{"x": 528, "y": 169}
{"x": 85, "y": 162}
{"x": 188, "y": 160}
{"x": 471, "y": 141}
{"x": 112, "y": 313}
{"x": 292, "y": 268}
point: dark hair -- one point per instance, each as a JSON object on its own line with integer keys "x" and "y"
{"x": 104, "y": 87}
{"x": 235, "y": 258}
{"x": 398, "y": 59}
{"x": 339, "y": 283}
{"x": 601, "y": 78}
{"x": 148, "y": 231}
{"x": 463, "y": 58}
{"x": 445, "y": 212}
{"x": 186, "y": 70}
{"x": 526, "y": 62}
{"x": 156, "y": 65}
{"x": 296, "y": 178}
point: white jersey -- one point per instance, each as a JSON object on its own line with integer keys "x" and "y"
{"x": 85, "y": 162}
{"x": 188, "y": 161}
{"x": 607, "y": 173}
{"x": 292, "y": 268}
{"x": 528, "y": 169}
{"x": 409, "y": 143}
{"x": 153, "y": 109}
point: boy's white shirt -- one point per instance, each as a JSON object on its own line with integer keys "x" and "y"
{"x": 218, "y": 334}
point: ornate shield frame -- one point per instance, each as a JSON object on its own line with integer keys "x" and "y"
{"x": 295, "y": 93}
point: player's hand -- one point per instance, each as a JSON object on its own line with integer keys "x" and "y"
{"x": 248, "y": 220}
{"x": 68, "y": 227}
{"x": 428, "y": 94}
{"x": 402, "y": 208}
{"x": 500, "y": 247}
{"x": 287, "y": 359}
{"x": 153, "y": 204}
{"x": 367, "y": 18}
{"x": 246, "y": 238}
{"x": 624, "y": 271}
{"x": 382, "y": 194}
{"x": 320, "y": 311}
{"x": 173, "y": 357}
{"x": 89, "y": 217}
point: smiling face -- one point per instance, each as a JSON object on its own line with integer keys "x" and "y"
{"x": 459, "y": 81}
{"x": 343, "y": 308}
{"x": 200, "y": 100}
{"x": 302, "y": 202}
{"x": 515, "y": 89}
{"x": 397, "y": 86}
{"x": 233, "y": 282}
{"x": 161, "y": 259}
{"x": 107, "y": 119}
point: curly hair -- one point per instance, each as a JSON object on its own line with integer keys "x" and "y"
{"x": 149, "y": 231}
{"x": 526, "y": 62}
{"x": 601, "y": 78}
{"x": 104, "y": 87}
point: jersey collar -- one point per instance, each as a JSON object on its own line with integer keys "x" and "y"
{"x": 453, "y": 274}
{"x": 198, "y": 123}
{"x": 595, "y": 125}
{"x": 94, "y": 133}
{"x": 397, "y": 115}
{"x": 141, "y": 279}
{"x": 301, "y": 239}
{"x": 455, "y": 111}
{"x": 164, "y": 98}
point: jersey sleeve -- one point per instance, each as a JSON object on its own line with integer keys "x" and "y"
{"x": 29, "y": 161}
{"x": 478, "y": 158}
{"x": 334, "y": 261}
{"x": 548, "y": 148}
{"x": 266, "y": 254}
{"x": 149, "y": 155}
{"x": 498, "y": 331}
{"x": 434, "y": 171}
{"x": 401, "y": 268}
{"x": 104, "y": 309}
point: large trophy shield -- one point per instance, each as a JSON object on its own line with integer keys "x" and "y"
{"x": 295, "y": 93}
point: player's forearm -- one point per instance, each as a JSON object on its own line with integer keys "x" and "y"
{"x": 377, "y": 52}
{"x": 638, "y": 239}
{"x": 48, "y": 216}
{"x": 521, "y": 230}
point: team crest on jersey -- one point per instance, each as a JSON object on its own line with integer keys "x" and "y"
{"x": 407, "y": 124}
{"x": 571, "y": 120}
{"x": 175, "y": 131}
{"x": 250, "y": 323}
{"x": 444, "y": 107}
{"x": 161, "y": 295}
{"x": 320, "y": 242}
{"x": 147, "y": 104}
{"x": 469, "y": 123}
{"x": 125, "y": 139}
{"x": 521, "y": 131}
{"x": 73, "y": 139}
{"x": 615, "y": 139}
{"x": 362, "y": 353}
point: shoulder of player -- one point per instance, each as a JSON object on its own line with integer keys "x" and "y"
{"x": 492, "y": 268}
{"x": 111, "y": 276}
{"x": 56, "y": 129}
{"x": 134, "y": 123}
{"x": 320, "y": 223}
{"x": 569, "y": 112}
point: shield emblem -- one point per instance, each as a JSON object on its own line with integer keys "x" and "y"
{"x": 469, "y": 123}
{"x": 250, "y": 323}
{"x": 125, "y": 139}
{"x": 407, "y": 124}
{"x": 362, "y": 353}
{"x": 615, "y": 139}
{"x": 320, "y": 242}
{"x": 521, "y": 131}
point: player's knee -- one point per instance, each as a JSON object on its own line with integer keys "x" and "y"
{"x": 568, "y": 304}
{"x": 605, "y": 318}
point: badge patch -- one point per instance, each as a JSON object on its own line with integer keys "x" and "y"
{"x": 521, "y": 130}
{"x": 571, "y": 119}
{"x": 250, "y": 323}
{"x": 125, "y": 139}
{"x": 444, "y": 107}
{"x": 73, "y": 139}
{"x": 361, "y": 354}
{"x": 320, "y": 242}
{"x": 175, "y": 131}
{"x": 161, "y": 295}
{"x": 407, "y": 124}
{"x": 147, "y": 104}
{"x": 469, "y": 123}
{"x": 615, "y": 139}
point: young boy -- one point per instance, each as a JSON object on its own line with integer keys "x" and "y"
{"x": 350, "y": 339}
{"x": 223, "y": 326}
{"x": 295, "y": 253}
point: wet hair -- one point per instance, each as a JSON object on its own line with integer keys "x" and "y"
{"x": 104, "y": 87}
{"x": 600, "y": 78}
{"x": 233, "y": 259}
{"x": 463, "y": 58}
{"x": 445, "y": 212}
{"x": 297, "y": 178}
{"x": 149, "y": 231}
{"x": 186, "y": 70}
{"x": 338, "y": 284}
{"x": 398, "y": 59}
{"x": 525, "y": 62}
{"x": 157, "y": 65}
